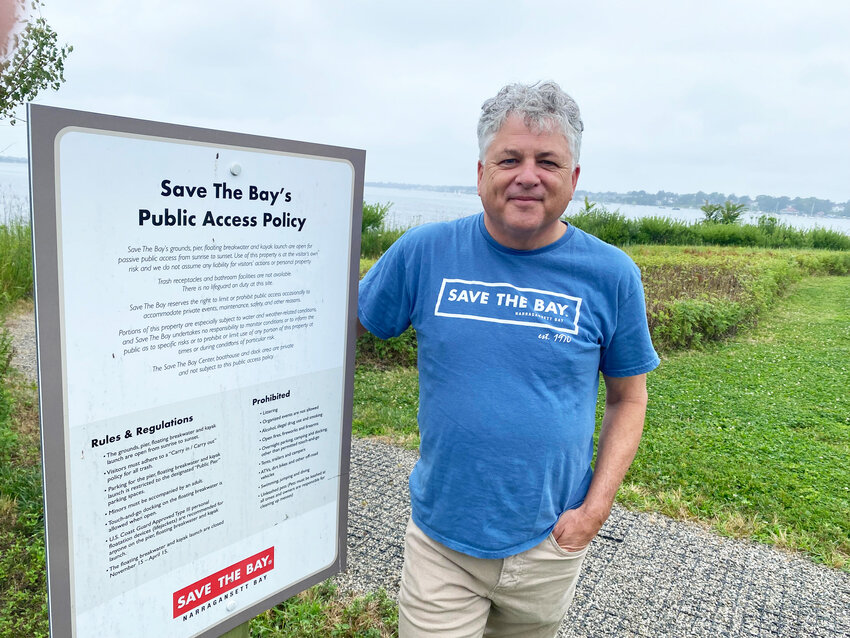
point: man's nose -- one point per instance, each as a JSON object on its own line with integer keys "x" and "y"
{"x": 527, "y": 175}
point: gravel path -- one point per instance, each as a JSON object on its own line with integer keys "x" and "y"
{"x": 645, "y": 575}
{"x": 22, "y": 330}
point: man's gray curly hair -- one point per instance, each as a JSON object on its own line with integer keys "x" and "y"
{"x": 543, "y": 107}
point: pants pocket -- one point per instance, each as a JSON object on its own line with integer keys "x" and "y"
{"x": 564, "y": 553}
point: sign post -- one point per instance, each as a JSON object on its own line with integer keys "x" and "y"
{"x": 240, "y": 632}
{"x": 196, "y": 315}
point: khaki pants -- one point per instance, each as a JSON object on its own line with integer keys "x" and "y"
{"x": 448, "y": 594}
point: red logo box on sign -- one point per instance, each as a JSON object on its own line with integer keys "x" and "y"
{"x": 222, "y": 581}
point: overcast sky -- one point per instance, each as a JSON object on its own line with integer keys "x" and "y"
{"x": 744, "y": 97}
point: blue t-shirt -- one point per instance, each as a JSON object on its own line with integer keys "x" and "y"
{"x": 510, "y": 347}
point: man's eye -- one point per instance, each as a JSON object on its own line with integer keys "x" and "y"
{"x": 549, "y": 163}
{"x": 508, "y": 162}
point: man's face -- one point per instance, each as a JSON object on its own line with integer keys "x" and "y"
{"x": 525, "y": 182}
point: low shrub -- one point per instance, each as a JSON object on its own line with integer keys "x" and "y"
{"x": 396, "y": 351}
{"x": 374, "y": 216}
{"x": 662, "y": 230}
{"x": 375, "y": 236}
{"x": 614, "y": 228}
{"x": 685, "y": 323}
{"x": 721, "y": 234}
{"x": 375, "y": 243}
{"x": 824, "y": 263}
{"x": 828, "y": 239}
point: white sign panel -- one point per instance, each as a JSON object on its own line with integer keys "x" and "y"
{"x": 204, "y": 301}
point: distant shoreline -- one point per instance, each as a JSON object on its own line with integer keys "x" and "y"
{"x": 666, "y": 200}
{"x": 13, "y": 160}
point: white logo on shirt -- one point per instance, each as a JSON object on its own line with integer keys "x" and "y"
{"x": 509, "y": 304}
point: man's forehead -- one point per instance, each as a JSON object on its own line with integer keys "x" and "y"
{"x": 537, "y": 125}
{"x": 517, "y": 142}
{"x": 514, "y": 124}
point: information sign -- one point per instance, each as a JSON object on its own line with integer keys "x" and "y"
{"x": 196, "y": 314}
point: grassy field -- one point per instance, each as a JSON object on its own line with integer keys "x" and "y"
{"x": 753, "y": 436}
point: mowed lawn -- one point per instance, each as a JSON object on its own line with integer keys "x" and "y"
{"x": 750, "y": 436}
{"x": 753, "y": 435}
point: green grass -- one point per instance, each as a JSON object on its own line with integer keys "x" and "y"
{"x": 385, "y": 404}
{"x": 753, "y": 437}
{"x": 750, "y": 436}
{"x": 323, "y": 611}
{"x": 23, "y": 600}
{"x": 16, "y": 276}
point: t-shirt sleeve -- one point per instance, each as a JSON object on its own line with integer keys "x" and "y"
{"x": 629, "y": 350}
{"x": 384, "y": 302}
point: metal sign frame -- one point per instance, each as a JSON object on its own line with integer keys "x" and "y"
{"x": 46, "y": 126}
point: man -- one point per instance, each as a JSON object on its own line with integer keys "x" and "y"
{"x": 516, "y": 314}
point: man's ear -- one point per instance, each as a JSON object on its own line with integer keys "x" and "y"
{"x": 576, "y": 171}
{"x": 481, "y": 173}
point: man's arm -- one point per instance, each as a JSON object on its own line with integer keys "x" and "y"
{"x": 622, "y": 426}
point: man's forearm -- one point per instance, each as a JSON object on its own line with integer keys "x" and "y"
{"x": 622, "y": 427}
